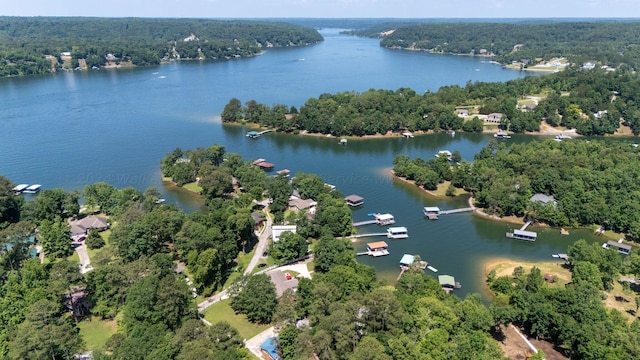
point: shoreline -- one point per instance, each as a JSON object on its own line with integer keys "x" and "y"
{"x": 470, "y": 200}
{"x": 548, "y": 131}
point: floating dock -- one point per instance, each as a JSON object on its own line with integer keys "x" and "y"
{"x": 32, "y": 189}
{"x": 18, "y": 189}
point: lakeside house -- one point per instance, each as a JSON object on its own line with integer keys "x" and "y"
{"x": 495, "y": 118}
{"x": 623, "y": 249}
{"x": 544, "y": 199}
{"x": 298, "y": 204}
{"x": 80, "y": 227}
{"x": 462, "y": 113}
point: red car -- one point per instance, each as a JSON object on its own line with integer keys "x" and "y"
{"x": 288, "y": 276}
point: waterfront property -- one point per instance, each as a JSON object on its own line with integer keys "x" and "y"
{"x": 622, "y": 248}
{"x": 354, "y": 200}
{"x": 378, "y": 248}
{"x": 399, "y": 232}
{"x": 495, "y": 118}
{"x": 544, "y": 199}
{"x": 80, "y": 227}
{"x": 277, "y": 230}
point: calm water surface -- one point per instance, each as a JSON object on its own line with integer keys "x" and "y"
{"x": 72, "y": 129}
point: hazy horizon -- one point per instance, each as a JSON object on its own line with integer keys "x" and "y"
{"x": 329, "y": 9}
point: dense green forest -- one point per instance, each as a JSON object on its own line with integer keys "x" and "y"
{"x": 350, "y": 314}
{"x": 594, "y": 102}
{"x": 572, "y": 316}
{"x": 594, "y": 182}
{"x": 24, "y": 42}
{"x": 611, "y": 43}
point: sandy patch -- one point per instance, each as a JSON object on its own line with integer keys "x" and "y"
{"x": 505, "y": 267}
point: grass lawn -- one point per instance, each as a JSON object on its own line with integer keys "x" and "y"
{"x": 622, "y": 300}
{"x": 193, "y": 187}
{"x": 242, "y": 262}
{"x": 96, "y": 332}
{"x": 441, "y": 191}
{"x": 221, "y": 311}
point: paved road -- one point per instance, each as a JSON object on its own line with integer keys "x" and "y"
{"x": 263, "y": 241}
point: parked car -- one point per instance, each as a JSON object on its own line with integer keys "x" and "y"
{"x": 288, "y": 276}
{"x": 261, "y": 265}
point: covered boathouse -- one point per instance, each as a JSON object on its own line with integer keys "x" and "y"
{"x": 399, "y": 232}
{"x": 523, "y": 235}
{"x": 378, "y": 248}
{"x": 354, "y": 200}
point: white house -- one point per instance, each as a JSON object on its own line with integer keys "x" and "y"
{"x": 277, "y": 230}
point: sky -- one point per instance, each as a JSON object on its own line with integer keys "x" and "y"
{"x": 326, "y": 8}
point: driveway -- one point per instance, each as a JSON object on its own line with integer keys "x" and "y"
{"x": 263, "y": 241}
{"x": 85, "y": 262}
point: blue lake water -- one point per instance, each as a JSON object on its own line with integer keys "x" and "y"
{"x": 71, "y": 129}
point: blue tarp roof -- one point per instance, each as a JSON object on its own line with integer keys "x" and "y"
{"x": 271, "y": 346}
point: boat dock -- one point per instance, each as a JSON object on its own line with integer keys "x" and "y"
{"x": 525, "y": 226}
{"x": 432, "y": 212}
{"x": 375, "y": 249}
{"x": 257, "y": 134}
{"x": 380, "y": 219}
{"x": 366, "y": 222}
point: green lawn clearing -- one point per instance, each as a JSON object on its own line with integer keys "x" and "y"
{"x": 221, "y": 311}
{"x": 96, "y": 332}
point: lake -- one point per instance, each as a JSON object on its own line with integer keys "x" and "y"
{"x": 71, "y": 129}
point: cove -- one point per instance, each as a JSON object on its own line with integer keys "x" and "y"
{"x": 72, "y": 129}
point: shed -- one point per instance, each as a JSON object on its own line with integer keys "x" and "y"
{"x": 269, "y": 349}
{"x": 354, "y": 200}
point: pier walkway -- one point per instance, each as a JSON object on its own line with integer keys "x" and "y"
{"x": 455, "y": 211}
{"x": 366, "y": 222}
{"x": 356, "y": 236}
{"x": 525, "y": 226}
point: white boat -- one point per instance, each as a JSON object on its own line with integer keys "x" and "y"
{"x": 561, "y": 137}
{"x": 501, "y": 135}
{"x": 32, "y": 189}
